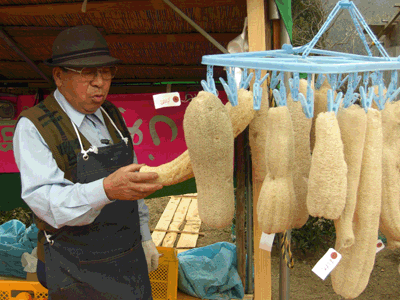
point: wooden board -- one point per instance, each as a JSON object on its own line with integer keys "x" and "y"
{"x": 258, "y": 26}
{"x": 165, "y": 220}
{"x": 193, "y": 224}
{"x": 179, "y": 218}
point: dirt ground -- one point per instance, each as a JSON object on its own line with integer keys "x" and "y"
{"x": 384, "y": 282}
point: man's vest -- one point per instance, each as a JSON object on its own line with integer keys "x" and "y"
{"x": 56, "y": 129}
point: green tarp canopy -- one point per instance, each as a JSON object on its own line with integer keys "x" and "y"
{"x": 285, "y": 9}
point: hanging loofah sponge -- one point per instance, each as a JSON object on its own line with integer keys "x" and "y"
{"x": 327, "y": 182}
{"x": 276, "y": 203}
{"x": 209, "y": 138}
{"x": 302, "y": 158}
{"x": 353, "y": 125}
{"x": 351, "y": 275}
{"x": 180, "y": 169}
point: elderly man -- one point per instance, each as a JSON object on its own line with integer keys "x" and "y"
{"x": 80, "y": 178}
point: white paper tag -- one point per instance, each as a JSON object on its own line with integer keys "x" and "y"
{"x": 167, "y": 100}
{"x": 266, "y": 242}
{"x": 327, "y": 263}
{"x": 379, "y": 246}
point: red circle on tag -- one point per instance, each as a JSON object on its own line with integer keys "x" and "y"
{"x": 333, "y": 255}
{"x": 379, "y": 245}
{"x": 175, "y": 99}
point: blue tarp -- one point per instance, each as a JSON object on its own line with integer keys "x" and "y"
{"x": 15, "y": 239}
{"x": 210, "y": 272}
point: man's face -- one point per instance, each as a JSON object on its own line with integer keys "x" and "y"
{"x": 85, "y": 96}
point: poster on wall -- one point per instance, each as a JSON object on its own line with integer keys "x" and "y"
{"x": 157, "y": 134}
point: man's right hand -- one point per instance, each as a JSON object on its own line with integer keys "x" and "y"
{"x": 127, "y": 183}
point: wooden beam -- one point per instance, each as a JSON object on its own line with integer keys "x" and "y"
{"x": 258, "y": 26}
{"x": 19, "y": 34}
{"x": 105, "y": 6}
{"x": 31, "y": 64}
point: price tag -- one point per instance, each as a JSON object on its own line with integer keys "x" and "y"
{"x": 327, "y": 263}
{"x": 379, "y": 246}
{"x": 166, "y": 100}
{"x": 266, "y": 242}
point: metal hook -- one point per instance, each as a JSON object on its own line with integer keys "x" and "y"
{"x": 209, "y": 85}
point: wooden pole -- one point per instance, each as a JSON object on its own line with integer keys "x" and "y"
{"x": 259, "y": 40}
{"x": 240, "y": 144}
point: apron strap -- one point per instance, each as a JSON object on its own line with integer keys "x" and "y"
{"x": 125, "y": 139}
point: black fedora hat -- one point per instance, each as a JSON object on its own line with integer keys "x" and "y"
{"x": 81, "y": 46}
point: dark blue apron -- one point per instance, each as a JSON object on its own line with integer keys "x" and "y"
{"x": 105, "y": 259}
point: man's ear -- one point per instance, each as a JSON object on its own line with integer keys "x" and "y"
{"x": 58, "y": 75}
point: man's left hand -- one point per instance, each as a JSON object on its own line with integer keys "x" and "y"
{"x": 151, "y": 254}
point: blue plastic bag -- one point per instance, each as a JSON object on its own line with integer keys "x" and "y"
{"x": 210, "y": 272}
{"x": 15, "y": 239}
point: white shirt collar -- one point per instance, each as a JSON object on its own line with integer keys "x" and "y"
{"x": 76, "y": 116}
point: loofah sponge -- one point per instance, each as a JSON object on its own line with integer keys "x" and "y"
{"x": 327, "y": 182}
{"x": 353, "y": 125}
{"x": 302, "y": 158}
{"x": 180, "y": 169}
{"x": 210, "y": 141}
{"x": 351, "y": 275}
{"x": 276, "y": 203}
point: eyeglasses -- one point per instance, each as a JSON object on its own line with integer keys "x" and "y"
{"x": 89, "y": 74}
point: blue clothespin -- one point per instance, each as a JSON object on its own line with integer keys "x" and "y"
{"x": 333, "y": 105}
{"x": 280, "y": 96}
{"x": 394, "y": 95}
{"x": 320, "y": 80}
{"x": 308, "y": 104}
{"x": 274, "y": 80}
{"x": 230, "y": 88}
{"x": 278, "y": 100}
{"x": 209, "y": 85}
{"x": 366, "y": 100}
{"x": 365, "y": 79}
{"x": 392, "y": 85}
{"x": 294, "y": 85}
{"x": 308, "y": 108}
{"x": 340, "y": 81}
{"x": 380, "y": 99}
{"x": 245, "y": 81}
{"x": 257, "y": 90}
{"x": 377, "y": 77}
{"x": 352, "y": 83}
{"x": 332, "y": 79}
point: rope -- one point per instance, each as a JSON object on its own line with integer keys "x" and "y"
{"x": 285, "y": 250}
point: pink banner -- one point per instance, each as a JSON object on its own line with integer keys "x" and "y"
{"x": 157, "y": 133}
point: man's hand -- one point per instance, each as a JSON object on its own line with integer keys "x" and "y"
{"x": 128, "y": 184}
{"x": 152, "y": 255}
